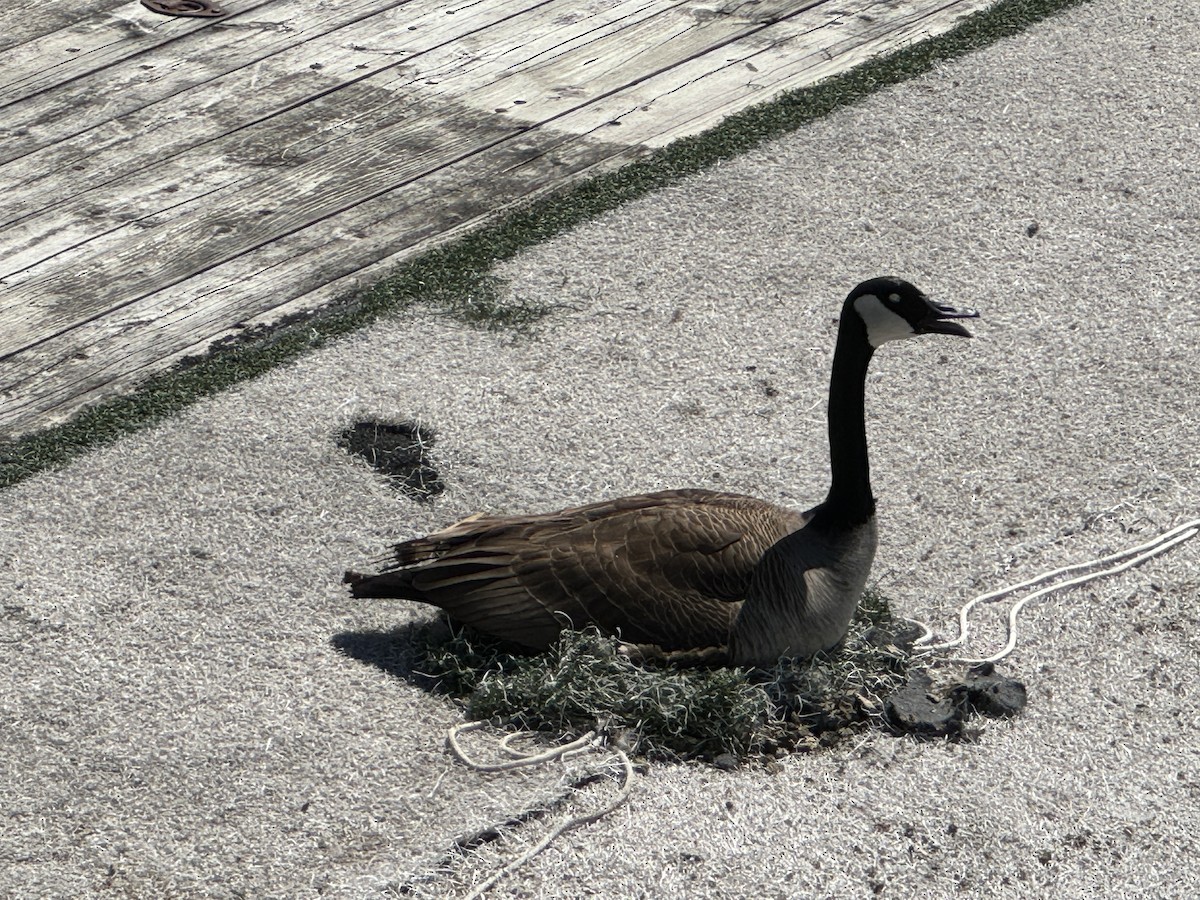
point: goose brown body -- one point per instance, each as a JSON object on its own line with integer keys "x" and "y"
{"x": 683, "y": 570}
{"x": 668, "y": 569}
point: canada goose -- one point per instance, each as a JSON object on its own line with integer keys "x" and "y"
{"x": 690, "y": 569}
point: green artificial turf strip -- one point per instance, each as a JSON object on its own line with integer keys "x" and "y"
{"x": 456, "y": 277}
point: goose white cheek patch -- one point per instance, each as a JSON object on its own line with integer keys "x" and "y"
{"x": 883, "y": 325}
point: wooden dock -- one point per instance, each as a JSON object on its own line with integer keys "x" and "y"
{"x": 167, "y": 181}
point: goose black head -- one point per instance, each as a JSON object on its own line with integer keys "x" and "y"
{"x": 891, "y": 309}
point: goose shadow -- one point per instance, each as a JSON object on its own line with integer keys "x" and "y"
{"x": 395, "y": 651}
{"x": 417, "y": 653}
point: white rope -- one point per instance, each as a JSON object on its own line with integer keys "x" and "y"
{"x": 1131, "y": 557}
{"x": 519, "y": 759}
{"x": 560, "y": 829}
{"x": 567, "y": 751}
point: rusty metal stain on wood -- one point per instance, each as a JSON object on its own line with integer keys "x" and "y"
{"x": 198, "y": 8}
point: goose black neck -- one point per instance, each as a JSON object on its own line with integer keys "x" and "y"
{"x": 850, "y": 501}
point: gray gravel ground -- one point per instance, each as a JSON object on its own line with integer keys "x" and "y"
{"x": 176, "y": 722}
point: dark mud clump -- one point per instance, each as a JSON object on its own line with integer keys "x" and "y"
{"x": 401, "y": 451}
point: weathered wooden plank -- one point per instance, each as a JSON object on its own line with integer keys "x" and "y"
{"x": 77, "y": 50}
{"x": 675, "y": 89}
{"x": 190, "y": 67}
{"x": 97, "y": 213}
{"x": 699, "y": 94}
{"x": 421, "y": 45}
{"x": 51, "y": 380}
{"x": 191, "y": 62}
{"x": 469, "y": 161}
{"x": 188, "y": 237}
{"x": 127, "y": 262}
{"x": 22, "y": 21}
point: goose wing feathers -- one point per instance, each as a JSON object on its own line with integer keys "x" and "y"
{"x": 667, "y": 568}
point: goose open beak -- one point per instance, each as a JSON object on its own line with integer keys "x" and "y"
{"x": 940, "y": 320}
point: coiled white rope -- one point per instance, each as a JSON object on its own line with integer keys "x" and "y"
{"x": 1124, "y": 559}
{"x": 520, "y": 759}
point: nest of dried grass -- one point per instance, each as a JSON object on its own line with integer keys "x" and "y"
{"x": 585, "y": 682}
